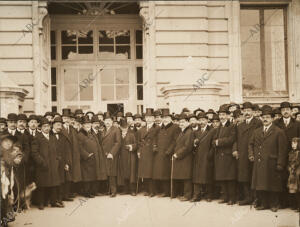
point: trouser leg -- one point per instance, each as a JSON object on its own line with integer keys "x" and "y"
{"x": 274, "y": 199}
{"x": 231, "y": 189}
{"x": 40, "y": 195}
{"x": 197, "y": 191}
{"x": 188, "y": 188}
{"x": 209, "y": 191}
{"x": 113, "y": 184}
{"x": 166, "y": 187}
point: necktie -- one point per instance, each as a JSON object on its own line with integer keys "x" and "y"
{"x": 265, "y": 131}
{"x": 286, "y": 123}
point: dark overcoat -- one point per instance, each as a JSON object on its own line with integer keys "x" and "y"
{"x": 72, "y": 140}
{"x": 102, "y": 157}
{"x": 127, "y": 159}
{"x": 90, "y": 166}
{"x": 269, "y": 151}
{"x": 111, "y": 143}
{"x": 203, "y": 172}
{"x": 244, "y": 133}
{"x": 225, "y": 163}
{"x": 44, "y": 153}
{"x": 183, "y": 164}
{"x": 147, "y": 139}
{"x": 166, "y": 138}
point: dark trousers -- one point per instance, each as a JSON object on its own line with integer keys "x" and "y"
{"x": 228, "y": 189}
{"x": 187, "y": 188}
{"x": 162, "y": 186}
{"x": 113, "y": 184}
{"x": 268, "y": 199}
{"x": 64, "y": 190}
{"x": 203, "y": 189}
{"x": 103, "y": 187}
{"x": 294, "y": 200}
{"x": 47, "y": 194}
{"x": 148, "y": 185}
{"x": 129, "y": 187}
{"x": 90, "y": 187}
{"x": 246, "y": 193}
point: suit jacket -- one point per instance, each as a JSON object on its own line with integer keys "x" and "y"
{"x": 269, "y": 151}
{"x": 111, "y": 143}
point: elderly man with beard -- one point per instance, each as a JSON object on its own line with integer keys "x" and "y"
{"x": 147, "y": 146}
{"x": 240, "y": 151}
{"x": 268, "y": 152}
{"x": 203, "y": 160}
{"x": 183, "y": 159}
{"x": 225, "y": 162}
{"x": 166, "y": 138}
{"x": 45, "y": 155}
{"x": 11, "y": 157}
{"x": 291, "y": 129}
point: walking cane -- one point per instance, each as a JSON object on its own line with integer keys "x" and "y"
{"x": 172, "y": 166}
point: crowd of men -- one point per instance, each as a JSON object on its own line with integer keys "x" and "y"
{"x": 237, "y": 154}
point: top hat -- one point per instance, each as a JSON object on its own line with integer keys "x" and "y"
{"x": 285, "y": 105}
{"x": 12, "y": 117}
{"x": 149, "y": 112}
{"x": 66, "y": 112}
{"x": 78, "y": 111}
{"x": 166, "y": 112}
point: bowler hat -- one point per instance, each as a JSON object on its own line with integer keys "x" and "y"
{"x": 185, "y": 110}
{"x": 183, "y": 116}
{"x": 22, "y": 117}
{"x": 32, "y": 117}
{"x": 12, "y": 117}
{"x": 223, "y": 109}
{"x": 100, "y": 113}
{"x": 49, "y": 114}
{"x": 202, "y": 115}
{"x": 57, "y": 120}
{"x": 123, "y": 123}
{"x": 197, "y": 110}
{"x": 128, "y": 114}
{"x": 78, "y": 111}
{"x": 285, "y": 105}
{"x": 44, "y": 121}
{"x": 192, "y": 116}
{"x": 89, "y": 112}
{"x": 255, "y": 107}
{"x": 95, "y": 119}
{"x": 267, "y": 110}
{"x": 247, "y": 105}
{"x": 2, "y": 120}
{"x": 215, "y": 117}
{"x": 120, "y": 114}
{"x": 9, "y": 137}
{"x": 237, "y": 113}
{"x": 157, "y": 113}
{"x": 107, "y": 115}
{"x": 210, "y": 111}
{"x": 276, "y": 111}
{"x": 86, "y": 119}
{"x": 137, "y": 116}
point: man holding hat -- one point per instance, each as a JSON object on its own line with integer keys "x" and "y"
{"x": 111, "y": 143}
{"x": 147, "y": 140}
{"x": 240, "y": 151}
{"x": 268, "y": 152}
{"x": 166, "y": 138}
{"x": 183, "y": 159}
{"x": 292, "y": 129}
{"x": 225, "y": 162}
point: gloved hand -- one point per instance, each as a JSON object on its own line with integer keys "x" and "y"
{"x": 251, "y": 158}
{"x": 235, "y": 154}
{"x": 110, "y": 156}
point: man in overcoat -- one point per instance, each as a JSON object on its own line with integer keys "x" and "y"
{"x": 225, "y": 163}
{"x": 111, "y": 143}
{"x": 183, "y": 159}
{"x": 240, "y": 150}
{"x": 268, "y": 151}
{"x": 166, "y": 138}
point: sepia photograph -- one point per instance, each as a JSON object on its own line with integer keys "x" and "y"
{"x": 150, "y": 113}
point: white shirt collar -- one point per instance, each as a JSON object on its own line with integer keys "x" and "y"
{"x": 266, "y": 128}
{"x": 287, "y": 120}
{"x": 204, "y": 127}
{"x": 45, "y": 135}
{"x": 249, "y": 120}
{"x": 223, "y": 124}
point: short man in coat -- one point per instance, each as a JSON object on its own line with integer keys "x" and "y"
{"x": 127, "y": 176}
{"x": 268, "y": 151}
{"x": 111, "y": 143}
{"x": 147, "y": 146}
{"x": 44, "y": 153}
{"x": 240, "y": 150}
{"x": 166, "y": 138}
{"x": 225, "y": 163}
{"x": 183, "y": 159}
{"x": 203, "y": 160}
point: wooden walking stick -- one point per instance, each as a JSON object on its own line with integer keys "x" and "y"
{"x": 172, "y": 167}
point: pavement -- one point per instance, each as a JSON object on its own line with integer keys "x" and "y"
{"x": 141, "y": 211}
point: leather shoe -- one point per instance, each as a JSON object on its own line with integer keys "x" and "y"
{"x": 230, "y": 203}
{"x": 133, "y": 193}
{"x": 146, "y": 194}
{"x": 163, "y": 195}
{"x": 260, "y": 208}
{"x": 244, "y": 202}
{"x": 274, "y": 209}
{"x": 208, "y": 200}
{"x": 57, "y": 205}
{"x": 195, "y": 199}
{"x": 68, "y": 199}
{"x": 152, "y": 195}
{"x": 41, "y": 207}
{"x": 183, "y": 199}
{"x": 113, "y": 195}
{"x": 223, "y": 201}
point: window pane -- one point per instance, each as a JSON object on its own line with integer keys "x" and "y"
{"x": 85, "y": 49}
{"x": 107, "y": 76}
{"x": 86, "y": 94}
{"x": 123, "y": 52}
{"x": 139, "y": 52}
{"x": 71, "y": 92}
{"x": 85, "y": 37}
{"x": 139, "y": 75}
{"x": 122, "y": 92}
{"x": 68, "y": 52}
{"x": 53, "y": 76}
{"x": 107, "y": 93}
{"x": 122, "y": 76}
{"x": 54, "y": 109}
{"x": 68, "y": 37}
{"x": 122, "y": 37}
{"x": 140, "y": 93}
{"x": 105, "y": 38}
{"x": 70, "y": 76}
{"x": 106, "y": 51}
{"x": 138, "y": 37}
{"x": 53, "y": 94}
{"x": 251, "y": 59}
{"x": 275, "y": 50}
{"x": 52, "y": 37}
{"x": 53, "y": 52}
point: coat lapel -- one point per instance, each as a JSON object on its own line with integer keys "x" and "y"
{"x": 269, "y": 132}
{"x": 66, "y": 134}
